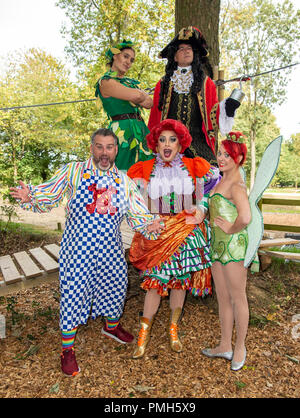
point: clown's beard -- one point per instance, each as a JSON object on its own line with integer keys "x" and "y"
{"x": 103, "y": 163}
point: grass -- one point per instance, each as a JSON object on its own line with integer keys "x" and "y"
{"x": 16, "y": 237}
{"x": 27, "y": 229}
{"x": 281, "y": 269}
{"x": 286, "y": 250}
{"x": 280, "y": 210}
{"x": 283, "y": 190}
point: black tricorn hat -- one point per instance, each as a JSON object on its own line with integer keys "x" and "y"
{"x": 188, "y": 35}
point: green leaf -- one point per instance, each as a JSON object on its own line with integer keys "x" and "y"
{"x": 240, "y": 385}
{"x": 54, "y": 388}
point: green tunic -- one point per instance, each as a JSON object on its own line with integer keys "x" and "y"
{"x": 131, "y": 132}
{"x": 225, "y": 247}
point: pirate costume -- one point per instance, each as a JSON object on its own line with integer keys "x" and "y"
{"x": 200, "y": 111}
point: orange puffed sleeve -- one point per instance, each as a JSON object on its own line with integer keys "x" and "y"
{"x": 197, "y": 166}
{"x": 136, "y": 170}
{"x": 141, "y": 169}
{"x": 201, "y": 166}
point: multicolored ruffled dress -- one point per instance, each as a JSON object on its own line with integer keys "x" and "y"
{"x": 180, "y": 257}
{"x": 127, "y": 123}
{"x": 226, "y": 248}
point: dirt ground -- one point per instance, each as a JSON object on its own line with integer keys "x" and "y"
{"x": 30, "y": 353}
{"x": 49, "y": 220}
{"x": 30, "y": 364}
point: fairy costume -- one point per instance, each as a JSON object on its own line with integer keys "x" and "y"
{"x": 225, "y": 247}
{"x": 244, "y": 245}
{"x": 127, "y": 123}
{"x": 180, "y": 259}
{"x": 125, "y": 117}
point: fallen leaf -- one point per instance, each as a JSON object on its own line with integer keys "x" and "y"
{"x": 54, "y": 388}
{"x": 293, "y": 359}
{"x": 140, "y": 388}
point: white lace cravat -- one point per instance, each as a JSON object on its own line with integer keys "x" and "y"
{"x": 183, "y": 80}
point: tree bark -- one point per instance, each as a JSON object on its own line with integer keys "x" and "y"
{"x": 204, "y": 15}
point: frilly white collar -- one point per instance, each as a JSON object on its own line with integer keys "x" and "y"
{"x": 183, "y": 82}
{"x": 171, "y": 178}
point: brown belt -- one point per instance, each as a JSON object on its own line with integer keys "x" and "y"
{"x": 124, "y": 116}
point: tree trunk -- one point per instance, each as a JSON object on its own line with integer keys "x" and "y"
{"x": 204, "y": 15}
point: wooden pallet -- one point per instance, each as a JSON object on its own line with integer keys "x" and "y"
{"x": 22, "y": 267}
{"x": 19, "y": 269}
{"x": 265, "y": 254}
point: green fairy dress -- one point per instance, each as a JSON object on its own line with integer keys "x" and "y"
{"x": 126, "y": 122}
{"x": 225, "y": 247}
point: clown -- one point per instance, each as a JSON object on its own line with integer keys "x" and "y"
{"x": 92, "y": 265}
{"x": 177, "y": 189}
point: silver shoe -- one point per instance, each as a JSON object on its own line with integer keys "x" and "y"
{"x": 236, "y": 365}
{"x": 227, "y": 354}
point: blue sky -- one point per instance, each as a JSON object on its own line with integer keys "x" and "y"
{"x": 36, "y": 23}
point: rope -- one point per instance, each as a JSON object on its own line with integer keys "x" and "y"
{"x": 248, "y": 77}
{"x": 46, "y": 104}
{"x": 217, "y": 82}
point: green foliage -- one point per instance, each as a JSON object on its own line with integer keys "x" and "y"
{"x": 256, "y": 36}
{"x": 259, "y": 35}
{"x": 98, "y": 24}
{"x": 288, "y": 173}
{"x": 31, "y": 138}
{"x": 36, "y": 141}
{"x": 266, "y": 130}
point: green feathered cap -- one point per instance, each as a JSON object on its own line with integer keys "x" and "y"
{"x": 116, "y": 49}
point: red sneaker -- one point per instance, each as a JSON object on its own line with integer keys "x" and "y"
{"x": 119, "y": 334}
{"x": 68, "y": 363}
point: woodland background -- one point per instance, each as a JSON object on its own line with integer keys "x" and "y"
{"x": 246, "y": 37}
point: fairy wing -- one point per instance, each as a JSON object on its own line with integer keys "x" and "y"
{"x": 264, "y": 175}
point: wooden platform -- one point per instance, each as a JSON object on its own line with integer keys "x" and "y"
{"x": 266, "y": 254}
{"x": 29, "y": 268}
{"x": 38, "y": 265}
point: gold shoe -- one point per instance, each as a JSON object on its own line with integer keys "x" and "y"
{"x": 143, "y": 338}
{"x": 175, "y": 342}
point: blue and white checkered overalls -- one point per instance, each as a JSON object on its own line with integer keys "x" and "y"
{"x": 93, "y": 269}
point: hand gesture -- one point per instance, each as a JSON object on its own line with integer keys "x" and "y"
{"x": 194, "y": 215}
{"x": 223, "y": 224}
{"x": 21, "y": 193}
{"x": 156, "y": 226}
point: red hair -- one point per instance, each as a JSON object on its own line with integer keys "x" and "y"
{"x": 182, "y": 133}
{"x": 235, "y": 150}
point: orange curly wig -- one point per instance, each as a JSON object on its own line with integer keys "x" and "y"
{"x": 182, "y": 133}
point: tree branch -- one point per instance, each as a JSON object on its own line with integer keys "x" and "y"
{"x": 95, "y": 5}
